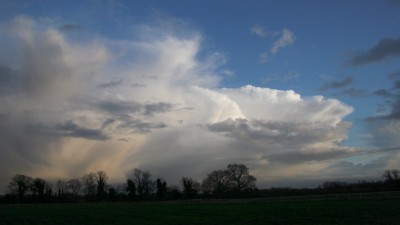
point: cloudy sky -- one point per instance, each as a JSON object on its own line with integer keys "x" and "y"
{"x": 299, "y": 91}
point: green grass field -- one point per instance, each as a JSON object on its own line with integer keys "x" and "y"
{"x": 355, "y": 211}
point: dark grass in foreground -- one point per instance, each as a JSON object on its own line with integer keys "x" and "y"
{"x": 355, "y": 211}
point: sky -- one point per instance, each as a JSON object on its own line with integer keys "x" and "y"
{"x": 301, "y": 92}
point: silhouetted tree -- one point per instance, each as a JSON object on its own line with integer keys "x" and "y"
{"x": 61, "y": 188}
{"x": 39, "y": 187}
{"x": 190, "y": 187}
{"x": 240, "y": 177}
{"x": 74, "y": 186}
{"x": 112, "y": 193}
{"x": 217, "y": 182}
{"x": 130, "y": 188}
{"x": 143, "y": 182}
{"x": 161, "y": 188}
{"x": 174, "y": 192}
{"x": 335, "y": 186}
{"x": 48, "y": 189}
{"x": 20, "y": 185}
{"x": 89, "y": 184}
{"x": 391, "y": 175}
{"x": 101, "y": 178}
{"x": 392, "y": 179}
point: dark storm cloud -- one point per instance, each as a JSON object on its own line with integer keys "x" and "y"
{"x": 337, "y": 84}
{"x": 70, "y": 129}
{"x": 385, "y": 49}
{"x": 110, "y": 84}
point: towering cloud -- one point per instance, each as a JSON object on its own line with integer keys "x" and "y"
{"x": 71, "y": 106}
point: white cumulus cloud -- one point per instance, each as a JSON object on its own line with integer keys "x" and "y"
{"x": 73, "y": 107}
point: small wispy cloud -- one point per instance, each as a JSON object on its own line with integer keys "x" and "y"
{"x": 354, "y": 92}
{"x": 227, "y": 73}
{"x": 287, "y": 38}
{"x": 337, "y": 84}
{"x": 259, "y": 30}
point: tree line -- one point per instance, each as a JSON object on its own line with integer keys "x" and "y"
{"x": 139, "y": 185}
{"x": 235, "y": 181}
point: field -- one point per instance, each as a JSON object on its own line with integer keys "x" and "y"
{"x": 326, "y": 211}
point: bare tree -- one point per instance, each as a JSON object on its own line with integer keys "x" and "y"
{"x": 74, "y": 186}
{"x": 20, "y": 185}
{"x": 395, "y": 173}
{"x": 190, "y": 187}
{"x": 217, "y": 182}
{"x": 387, "y": 174}
{"x": 101, "y": 178}
{"x": 240, "y": 177}
{"x": 391, "y": 175}
{"x": 161, "y": 188}
{"x": 143, "y": 182}
{"x": 48, "y": 189}
{"x": 89, "y": 184}
{"x": 39, "y": 186}
{"x": 130, "y": 188}
{"x": 61, "y": 188}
